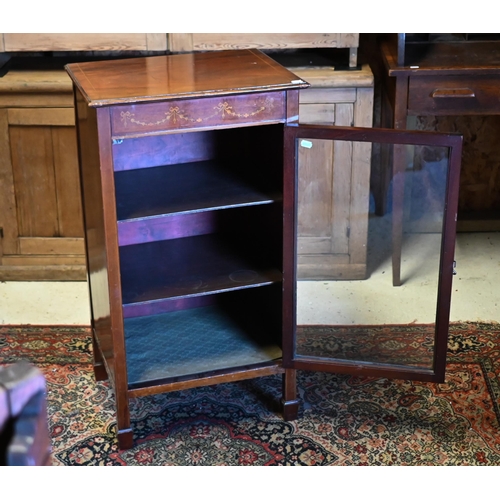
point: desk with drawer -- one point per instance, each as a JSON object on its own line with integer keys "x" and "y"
{"x": 441, "y": 79}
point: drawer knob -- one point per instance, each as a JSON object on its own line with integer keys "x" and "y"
{"x": 446, "y": 93}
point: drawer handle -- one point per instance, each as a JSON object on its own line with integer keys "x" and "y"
{"x": 446, "y": 93}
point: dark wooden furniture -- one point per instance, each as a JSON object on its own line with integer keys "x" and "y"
{"x": 433, "y": 77}
{"x": 182, "y": 176}
{"x": 24, "y": 432}
{"x": 189, "y": 186}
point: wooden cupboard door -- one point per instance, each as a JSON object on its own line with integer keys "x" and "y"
{"x": 370, "y": 327}
{"x": 333, "y": 196}
{"x": 41, "y": 212}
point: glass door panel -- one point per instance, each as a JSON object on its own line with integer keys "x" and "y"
{"x": 375, "y": 232}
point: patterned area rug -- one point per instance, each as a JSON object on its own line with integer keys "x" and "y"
{"x": 343, "y": 420}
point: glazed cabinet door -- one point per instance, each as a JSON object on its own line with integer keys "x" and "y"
{"x": 371, "y": 326}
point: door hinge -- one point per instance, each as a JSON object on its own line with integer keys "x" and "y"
{"x": 454, "y": 267}
{"x": 1, "y": 232}
{"x": 348, "y": 232}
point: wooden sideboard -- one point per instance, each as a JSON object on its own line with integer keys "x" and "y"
{"x": 334, "y": 190}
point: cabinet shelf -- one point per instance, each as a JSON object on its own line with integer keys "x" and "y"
{"x": 191, "y": 342}
{"x": 193, "y": 266}
{"x": 185, "y": 188}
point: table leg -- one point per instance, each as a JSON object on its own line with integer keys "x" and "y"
{"x": 398, "y": 189}
{"x": 398, "y": 184}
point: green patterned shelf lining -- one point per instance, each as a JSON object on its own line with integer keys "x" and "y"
{"x": 192, "y": 341}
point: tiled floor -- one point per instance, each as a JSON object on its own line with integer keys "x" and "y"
{"x": 476, "y": 293}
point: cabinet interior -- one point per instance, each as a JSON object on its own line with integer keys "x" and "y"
{"x": 200, "y": 228}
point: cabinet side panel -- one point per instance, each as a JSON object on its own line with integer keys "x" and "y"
{"x": 94, "y": 226}
{"x": 116, "y": 360}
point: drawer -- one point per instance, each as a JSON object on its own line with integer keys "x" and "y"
{"x": 454, "y": 94}
{"x": 211, "y": 112}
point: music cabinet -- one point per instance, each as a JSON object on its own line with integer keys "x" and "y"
{"x": 188, "y": 168}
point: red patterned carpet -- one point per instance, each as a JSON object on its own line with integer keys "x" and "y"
{"x": 343, "y": 420}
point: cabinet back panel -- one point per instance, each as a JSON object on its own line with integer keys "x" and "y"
{"x": 263, "y": 303}
{"x": 245, "y": 223}
{"x": 165, "y": 306}
{"x": 191, "y": 187}
{"x": 171, "y": 149}
{"x": 164, "y": 228}
{"x": 153, "y": 151}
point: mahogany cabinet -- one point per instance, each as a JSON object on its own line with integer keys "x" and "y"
{"x": 189, "y": 185}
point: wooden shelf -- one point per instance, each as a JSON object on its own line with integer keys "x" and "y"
{"x": 194, "y": 266}
{"x": 186, "y": 187}
{"x": 192, "y": 342}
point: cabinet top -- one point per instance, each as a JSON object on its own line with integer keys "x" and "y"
{"x": 443, "y": 58}
{"x": 159, "y": 78}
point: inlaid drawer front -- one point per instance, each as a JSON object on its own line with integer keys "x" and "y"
{"x": 198, "y": 113}
{"x": 454, "y": 95}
